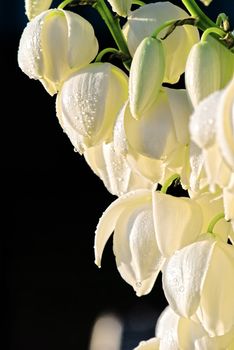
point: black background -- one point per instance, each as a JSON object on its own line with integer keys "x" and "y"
{"x": 51, "y": 202}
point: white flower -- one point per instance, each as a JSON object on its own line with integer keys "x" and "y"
{"x": 143, "y": 22}
{"x": 211, "y": 130}
{"x": 177, "y": 333}
{"x": 35, "y": 7}
{"x": 55, "y": 44}
{"x": 114, "y": 170}
{"x": 122, "y": 7}
{"x": 198, "y": 280}
{"x": 172, "y": 233}
{"x": 88, "y": 104}
{"x": 137, "y": 256}
{"x": 146, "y": 75}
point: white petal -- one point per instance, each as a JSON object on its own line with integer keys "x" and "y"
{"x": 114, "y": 170}
{"x": 202, "y": 124}
{"x": 122, "y": 7}
{"x": 216, "y": 310}
{"x": 153, "y": 135}
{"x": 151, "y": 344}
{"x": 110, "y": 217}
{"x": 183, "y": 276}
{"x": 137, "y": 256}
{"x": 172, "y": 233}
{"x": 225, "y": 125}
{"x": 166, "y": 329}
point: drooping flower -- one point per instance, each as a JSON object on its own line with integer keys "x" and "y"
{"x": 137, "y": 256}
{"x": 176, "y": 332}
{"x": 211, "y": 129}
{"x": 172, "y": 233}
{"x": 146, "y": 76}
{"x": 143, "y": 22}
{"x": 88, "y": 104}
{"x": 35, "y": 7}
{"x": 114, "y": 170}
{"x": 122, "y": 7}
{"x": 54, "y": 45}
{"x": 198, "y": 281}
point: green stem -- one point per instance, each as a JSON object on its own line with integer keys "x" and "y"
{"x": 214, "y": 222}
{"x": 138, "y": 2}
{"x": 212, "y": 30}
{"x": 163, "y": 26}
{"x": 64, "y": 3}
{"x": 114, "y": 27}
{"x": 104, "y": 52}
{"x": 168, "y": 183}
{"x": 204, "y": 22}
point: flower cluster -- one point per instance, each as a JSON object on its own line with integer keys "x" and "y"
{"x": 139, "y": 133}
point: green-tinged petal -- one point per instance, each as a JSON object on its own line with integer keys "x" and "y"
{"x": 146, "y": 76}
{"x": 122, "y": 7}
{"x": 211, "y": 205}
{"x": 35, "y": 7}
{"x": 216, "y": 311}
{"x": 202, "y": 73}
{"x": 82, "y": 43}
{"x": 184, "y": 274}
{"x": 137, "y": 256}
{"x": 151, "y": 344}
{"x": 110, "y": 217}
{"x": 225, "y": 124}
{"x": 172, "y": 233}
{"x": 153, "y": 135}
{"x": 143, "y": 22}
{"x": 181, "y": 110}
{"x": 114, "y": 170}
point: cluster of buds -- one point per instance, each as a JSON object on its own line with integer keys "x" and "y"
{"x": 139, "y": 135}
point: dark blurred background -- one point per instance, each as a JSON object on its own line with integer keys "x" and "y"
{"x": 51, "y": 203}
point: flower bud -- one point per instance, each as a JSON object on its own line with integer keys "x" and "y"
{"x": 202, "y": 73}
{"x": 87, "y": 105}
{"x": 144, "y": 21}
{"x": 54, "y": 45}
{"x": 35, "y": 7}
{"x": 121, "y": 7}
{"x": 146, "y": 76}
{"x": 130, "y": 217}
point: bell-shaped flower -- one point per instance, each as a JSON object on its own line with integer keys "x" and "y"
{"x": 202, "y": 73}
{"x": 151, "y": 344}
{"x": 146, "y": 75}
{"x": 163, "y": 128}
{"x": 87, "y": 105}
{"x": 154, "y": 169}
{"x": 121, "y": 7}
{"x": 114, "y": 170}
{"x": 35, "y": 7}
{"x": 143, "y": 22}
{"x": 203, "y": 130}
{"x": 199, "y": 280}
{"x": 177, "y": 333}
{"x": 137, "y": 256}
{"x": 55, "y": 44}
{"x": 172, "y": 233}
